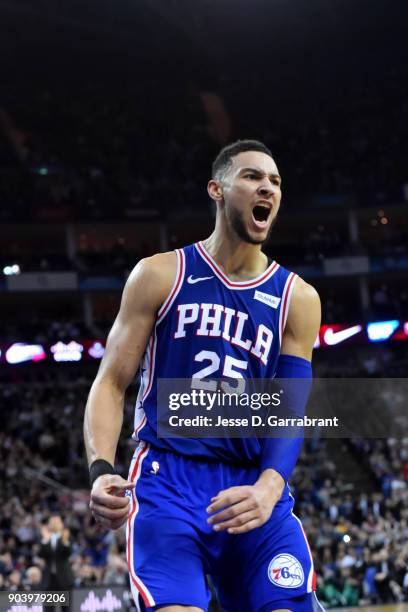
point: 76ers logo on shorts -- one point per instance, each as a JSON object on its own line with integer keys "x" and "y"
{"x": 286, "y": 571}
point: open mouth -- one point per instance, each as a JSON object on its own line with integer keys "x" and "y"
{"x": 261, "y": 213}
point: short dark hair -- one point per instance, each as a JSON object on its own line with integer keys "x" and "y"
{"x": 223, "y": 161}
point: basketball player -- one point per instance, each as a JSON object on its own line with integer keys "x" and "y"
{"x": 208, "y": 506}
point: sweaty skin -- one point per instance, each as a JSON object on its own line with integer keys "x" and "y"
{"x": 145, "y": 291}
{"x": 235, "y": 244}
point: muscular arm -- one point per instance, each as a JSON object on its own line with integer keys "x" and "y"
{"x": 243, "y": 508}
{"x": 146, "y": 289}
{"x": 300, "y": 333}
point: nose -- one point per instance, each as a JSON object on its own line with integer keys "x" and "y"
{"x": 266, "y": 189}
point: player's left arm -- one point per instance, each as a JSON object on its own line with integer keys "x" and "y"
{"x": 240, "y": 509}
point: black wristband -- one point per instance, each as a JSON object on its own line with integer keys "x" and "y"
{"x": 98, "y": 468}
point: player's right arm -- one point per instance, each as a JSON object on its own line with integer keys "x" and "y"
{"x": 145, "y": 291}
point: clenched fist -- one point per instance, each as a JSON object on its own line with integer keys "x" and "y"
{"x": 109, "y": 505}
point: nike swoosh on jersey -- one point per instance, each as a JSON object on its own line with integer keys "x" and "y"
{"x": 192, "y": 280}
{"x": 331, "y": 337}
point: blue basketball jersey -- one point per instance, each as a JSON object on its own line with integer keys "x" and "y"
{"x": 210, "y": 326}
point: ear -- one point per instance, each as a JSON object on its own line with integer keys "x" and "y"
{"x": 215, "y": 191}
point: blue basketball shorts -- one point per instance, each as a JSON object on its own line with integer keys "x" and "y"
{"x": 171, "y": 548}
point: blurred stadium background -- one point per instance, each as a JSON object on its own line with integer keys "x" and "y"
{"x": 109, "y": 119}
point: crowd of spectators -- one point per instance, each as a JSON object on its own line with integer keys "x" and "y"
{"x": 359, "y": 539}
{"x": 43, "y": 474}
{"x": 116, "y": 259}
{"x": 386, "y": 459}
{"x": 358, "y": 536}
{"x": 389, "y": 300}
{"x": 371, "y": 361}
{"x": 92, "y": 156}
{"x": 387, "y": 296}
{"x": 139, "y": 145}
{"x": 52, "y": 330}
{"x": 108, "y": 166}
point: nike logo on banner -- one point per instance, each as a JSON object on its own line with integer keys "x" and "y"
{"x": 192, "y": 280}
{"x": 331, "y": 337}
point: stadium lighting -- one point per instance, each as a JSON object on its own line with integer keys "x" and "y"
{"x": 11, "y": 270}
{"x": 19, "y": 352}
{"x": 381, "y": 330}
{"x": 96, "y": 350}
{"x": 71, "y": 351}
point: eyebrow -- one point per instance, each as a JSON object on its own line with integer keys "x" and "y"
{"x": 259, "y": 171}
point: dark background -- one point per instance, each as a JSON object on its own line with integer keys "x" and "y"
{"x": 110, "y": 116}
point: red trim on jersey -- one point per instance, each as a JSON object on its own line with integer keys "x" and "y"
{"x": 147, "y": 598}
{"x": 237, "y": 284}
{"x": 311, "y": 556}
{"x": 311, "y": 578}
{"x": 166, "y": 305}
{"x": 285, "y": 303}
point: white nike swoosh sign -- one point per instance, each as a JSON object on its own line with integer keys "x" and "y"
{"x": 192, "y": 280}
{"x": 331, "y": 337}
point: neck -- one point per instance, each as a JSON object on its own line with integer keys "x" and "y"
{"x": 239, "y": 260}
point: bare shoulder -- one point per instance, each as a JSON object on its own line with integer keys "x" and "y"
{"x": 303, "y": 321}
{"x": 146, "y": 289}
{"x": 157, "y": 267}
{"x": 304, "y": 296}
{"x": 152, "y": 278}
